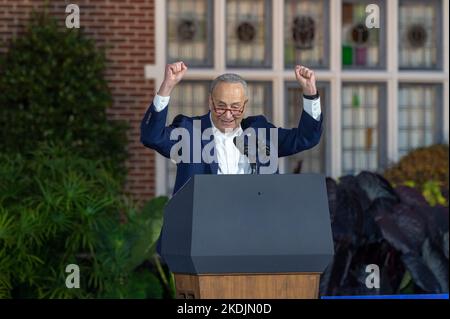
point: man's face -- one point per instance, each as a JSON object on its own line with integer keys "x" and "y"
{"x": 227, "y": 104}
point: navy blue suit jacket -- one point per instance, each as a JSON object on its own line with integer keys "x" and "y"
{"x": 156, "y": 135}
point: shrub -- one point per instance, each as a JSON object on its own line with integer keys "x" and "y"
{"x": 394, "y": 228}
{"x": 61, "y": 176}
{"x": 53, "y": 89}
{"x": 423, "y": 169}
{"x": 130, "y": 245}
{"x": 58, "y": 209}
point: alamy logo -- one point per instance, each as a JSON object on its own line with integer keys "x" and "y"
{"x": 73, "y": 279}
{"x": 258, "y": 148}
{"x": 373, "y": 279}
{"x": 73, "y": 19}
{"x": 373, "y": 18}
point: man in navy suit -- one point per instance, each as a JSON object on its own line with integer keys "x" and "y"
{"x": 225, "y": 120}
{"x": 214, "y": 133}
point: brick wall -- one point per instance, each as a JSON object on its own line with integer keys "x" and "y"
{"x": 126, "y": 28}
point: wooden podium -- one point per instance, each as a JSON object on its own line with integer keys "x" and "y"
{"x": 247, "y": 286}
{"x": 272, "y": 240}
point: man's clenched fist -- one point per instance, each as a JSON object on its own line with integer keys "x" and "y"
{"x": 173, "y": 74}
{"x": 307, "y": 80}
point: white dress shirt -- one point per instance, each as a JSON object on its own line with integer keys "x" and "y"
{"x": 231, "y": 161}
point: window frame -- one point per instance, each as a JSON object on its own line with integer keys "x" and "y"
{"x": 381, "y": 125}
{"x": 278, "y": 74}
{"x": 438, "y": 108}
{"x": 327, "y": 37}
{"x": 268, "y": 106}
{"x": 439, "y": 47}
{"x": 210, "y": 25}
{"x": 383, "y": 4}
{"x": 268, "y": 36}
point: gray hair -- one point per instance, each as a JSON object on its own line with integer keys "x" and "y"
{"x": 229, "y": 78}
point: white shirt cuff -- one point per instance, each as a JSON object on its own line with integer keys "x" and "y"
{"x": 160, "y": 102}
{"x": 312, "y": 107}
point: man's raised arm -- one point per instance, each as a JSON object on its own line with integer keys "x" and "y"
{"x": 154, "y": 132}
{"x": 309, "y": 130}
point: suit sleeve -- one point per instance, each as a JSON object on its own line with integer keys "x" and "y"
{"x": 154, "y": 132}
{"x": 304, "y": 137}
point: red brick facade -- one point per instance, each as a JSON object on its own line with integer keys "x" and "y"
{"x": 126, "y": 28}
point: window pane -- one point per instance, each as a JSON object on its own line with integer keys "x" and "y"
{"x": 347, "y": 164}
{"x": 418, "y": 115}
{"x": 248, "y": 33}
{"x": 306, "y": 33}
{"x": 361, "y": 47}
{"x": 360, "y": 131}
{"x": 189, "y": 98}
{"x": 190, "y": 31}
{"x": 420, "y": 35}
{"x": 259, "y": 99}
{"x": 313, "y": 160}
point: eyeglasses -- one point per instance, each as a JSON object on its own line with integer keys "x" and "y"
{"x": 235, "y": 111}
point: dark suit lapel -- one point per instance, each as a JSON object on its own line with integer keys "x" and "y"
{"x": 245, "y": 124}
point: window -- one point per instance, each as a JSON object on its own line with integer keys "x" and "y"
{"x": 260, "y": 99}
{"x": 418, "y": 116}
{"x": 306, "y": 32}
{"x": 362, "y": 47}
{"x": 313, "y": 160}
{"x": 361, "y": 132}
{"x": 189, "y": 98}
{"x": 420, "y": 38}
{"x": 249, "y": 33}
{"x": 190, "y": 32}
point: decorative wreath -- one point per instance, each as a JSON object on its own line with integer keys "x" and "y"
{"x": 246, "y": 32}
{"x": 187, "y": 29}
{"x": 303, "y": 32}
{"x": 417, "y": 35}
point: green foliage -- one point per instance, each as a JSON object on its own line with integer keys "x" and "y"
{"x": 53, "y": 89}
{"x": 421, "y": 166}
{"x": 58, "y": 209}
{"x": 127, "y": 246}
{"x": 433, "y": 195}
{"x": 139, "y": 285}
{"x": 425, "y": 169}
{"x": 374, "y": 223}
{"x": 407, "y": 284}
{"x": 61, "y": 176}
